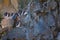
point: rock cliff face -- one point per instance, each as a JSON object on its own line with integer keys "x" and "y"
{"x": 37, "y": 20}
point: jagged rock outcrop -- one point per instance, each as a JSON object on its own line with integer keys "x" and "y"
{"x": 37, "y": 21}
